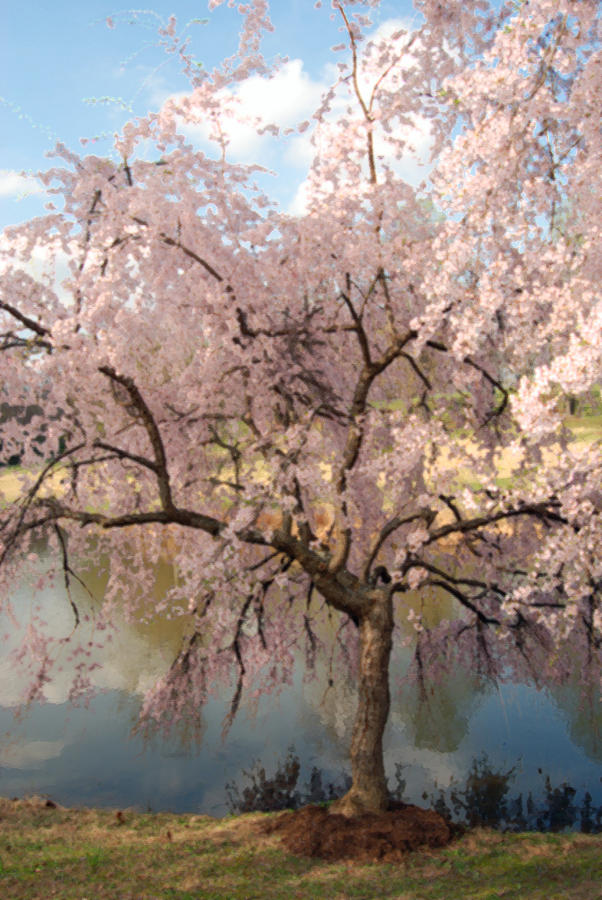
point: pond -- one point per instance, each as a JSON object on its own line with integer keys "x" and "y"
{"x": 474, "y": 744}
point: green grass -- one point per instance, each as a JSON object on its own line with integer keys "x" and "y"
{"x": 67, "y": 854}
{"x": 585, "y": 428}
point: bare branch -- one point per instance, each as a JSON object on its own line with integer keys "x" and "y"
{"x": 463, "y": 599}
{"x": 358, "y": 327}
{"x": 124, "y": 454}
{"x": 387, "y": 530}
{"x": 34, "y": 326}
{"x": 160, "y": 466}
{"x": 67, "y": 571}
{"x": 538, "y": 510}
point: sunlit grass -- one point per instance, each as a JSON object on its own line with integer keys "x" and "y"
{"x": 585, "y": 428}
{"x": 100, "y": 854}
{"x": 15, "y": 481}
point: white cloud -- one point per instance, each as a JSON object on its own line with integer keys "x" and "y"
{"x": 300, "y": 201}
{"x": 285, "y": 100}
{"x": 412, "y": 166}
{"x": 389, "y": 27}
{"x": 299, "y": 151}
{"x": 31, "y": 754}
{"x": 16, "y": 184}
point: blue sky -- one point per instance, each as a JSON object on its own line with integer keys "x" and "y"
{"x": 55, "y": 58}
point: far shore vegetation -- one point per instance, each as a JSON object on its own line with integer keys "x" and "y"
{"x": 585, "y": 427}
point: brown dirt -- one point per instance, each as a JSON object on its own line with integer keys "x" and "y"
{"x": 385, "y": 837}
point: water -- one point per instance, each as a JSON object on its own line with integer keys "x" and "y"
{"x": 88, "y": 756}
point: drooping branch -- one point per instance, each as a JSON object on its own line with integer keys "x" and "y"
{"x": 463, "y": 599}
{"x": 235, "y": 646}
{"x": 453, "y": 585}
{"x": 30, "y": 499}
{"x": 342, "y": 590}
{"x": 483, "y": 586}
{"x": 67, "y": 572}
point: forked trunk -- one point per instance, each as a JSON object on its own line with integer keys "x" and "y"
{"x": 368, "y": 791}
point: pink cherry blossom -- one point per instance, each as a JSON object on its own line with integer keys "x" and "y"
{"x": 306, "y": 415}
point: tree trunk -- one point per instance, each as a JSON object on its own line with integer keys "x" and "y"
{"x": 368, "y": 791}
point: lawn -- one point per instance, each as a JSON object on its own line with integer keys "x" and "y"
{"x": 53, "y": 852}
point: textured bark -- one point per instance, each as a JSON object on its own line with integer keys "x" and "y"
{"x": 368, "y": 791}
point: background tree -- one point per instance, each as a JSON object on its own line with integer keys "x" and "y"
{"x": 221, "y": 373}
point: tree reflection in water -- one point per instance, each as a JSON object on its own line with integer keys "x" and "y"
{"x": 481, "y": 800}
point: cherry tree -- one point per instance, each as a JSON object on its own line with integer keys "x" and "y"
{"x": 351, "y": 411}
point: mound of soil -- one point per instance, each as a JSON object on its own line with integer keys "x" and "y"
{"x": 386, "y": 837}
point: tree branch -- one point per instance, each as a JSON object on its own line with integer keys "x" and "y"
{"x": 357, "y": 324}
{"x": 463, "y": 599}
{"x": 354, "y": 442}
{"x": 538, "y": 510}
{"x": 125, "y": 454}
{"x": 391, "y": 526}
{"x": 34, "y": 326}
{"x": 160, "y": 466}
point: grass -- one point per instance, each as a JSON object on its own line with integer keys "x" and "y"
{"x": 87, "y": 854}
{"x": 13, "y": 479}
{"x": 585, "y": 428}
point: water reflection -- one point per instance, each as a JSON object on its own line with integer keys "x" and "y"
{"x": 88, "y": 756}
{"x": 481, "y": 800}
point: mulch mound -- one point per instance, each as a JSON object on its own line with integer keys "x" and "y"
{"x": 384, "y": 837}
